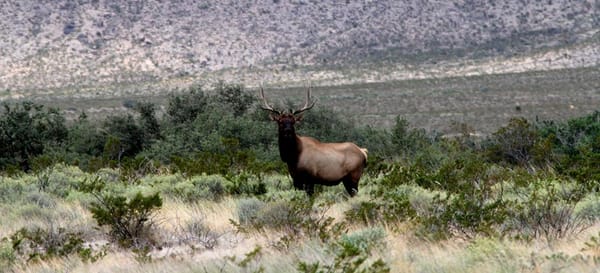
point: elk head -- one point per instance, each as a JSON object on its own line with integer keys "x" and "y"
{"x": 286, "y": 120}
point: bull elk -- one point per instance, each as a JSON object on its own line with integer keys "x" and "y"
{"x": 312, "y": 162}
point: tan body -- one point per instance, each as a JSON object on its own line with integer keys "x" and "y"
{"x": 329, "y": 163}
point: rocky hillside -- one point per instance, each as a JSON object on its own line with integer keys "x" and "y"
{"x": 49, "y": 46}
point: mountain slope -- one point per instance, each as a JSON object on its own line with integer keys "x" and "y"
{"x": 52, "y": 45}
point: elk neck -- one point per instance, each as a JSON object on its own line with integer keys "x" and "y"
{"x": 289, "y": 147}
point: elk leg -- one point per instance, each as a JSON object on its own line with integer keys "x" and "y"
{"x": 298, "y": 185}
{"x": 351, "y": 185}
{"x": 309, "y": 188}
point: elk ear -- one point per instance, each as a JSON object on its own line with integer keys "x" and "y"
{"x": 274, "y": 117}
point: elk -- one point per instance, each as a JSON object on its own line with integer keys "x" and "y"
{"x": 310, "y": 161}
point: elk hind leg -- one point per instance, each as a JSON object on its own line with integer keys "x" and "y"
{"x": 309, "y": 188}
{"x": 351, "y": 185}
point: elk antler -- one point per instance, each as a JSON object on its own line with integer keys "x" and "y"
{"x": 307, "y": 105}
{"x": 265, "y": 105}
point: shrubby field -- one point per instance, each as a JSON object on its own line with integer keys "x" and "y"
{"x": 201, "y": 189}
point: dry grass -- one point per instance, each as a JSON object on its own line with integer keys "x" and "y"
{"x": 401, "y": 250}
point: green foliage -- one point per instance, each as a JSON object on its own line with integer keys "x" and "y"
{"x": 38, "y": 243}
{"x": 246, "y": 184}
{"x": 184, "y": 108}
{"x": 148, "y": 121}
{"x": 547, "y": 211}
{"x": 351, "y": 252}
{"x": 588, "y": 207}
{"x": 325, "y": 125}
{"x": 250, "y": 261}
{"x": 234, "y": 97}
{"x": 26, "y": 129}
{"x": 513, "y": 143}
{"x": 124, "y": 137}
{"x": 296, "y": 217}
{"x": 7, "y": 254}
{"x": 463, "y": 214}
{"x": 129, "y": 219}
{"x": 193, "y": 189}
{"x": 408, "y": 141}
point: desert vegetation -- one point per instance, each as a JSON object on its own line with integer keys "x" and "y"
{"x": 201, "y": 188}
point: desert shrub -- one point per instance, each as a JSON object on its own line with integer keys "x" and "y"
{"x": 198, "y": 232}
{"x": 84, "y": 137}
{"x": 297, "y": 217}
{"x": 548, "y": 212}
{"x": 148, "y": 121}
{"x": 130, "y": 220}
{"x": 200, "y": 187}
{"x": 364, "y": 212}
{"x": 59, "y": 179}
{"x": 282, "y": 214}
{"x": 246, "y": 184}
{"x": 513, "y": 143}
{"x": 588, "y": 208}
{"x": 351, "y": 253}
{"x": 33, "y": 211}
{"x": 592, "y": 246}
{"x": 211, "y": 187}
{"x": 462, "y": 214}
{"x": 379, "y": 143}
{"x": 248, "y": 210}
{"x": 325, "y": 125}
{"x": 45, "y": 243}
{"x": 123, "y": 137}
{"x": 203, "y": 162}
{"x": 485, "y": 250}
{"x": 364, "y": 240}
{"x": 7, "y": 254}
{"x": 12, "y": 190}
{"x": 40, "y": 199}
{"x": 408, "y": 141}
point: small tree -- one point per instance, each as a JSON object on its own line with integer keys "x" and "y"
{"x": 25, "y": 129}
{"x": 235, "y": 97}
{"x": 184, "y": 108}
{"x": 513, "y": 143}
{"x": 129, "y": 219}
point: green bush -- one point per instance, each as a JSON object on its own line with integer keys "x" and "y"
{"x": 589, "y": 207}
{"x": 59, "y": 179}
{"x": 547, "y": 211}
{"x": 246, "y": 184}
{"x": 248, "y": 210}
{"x": 295, "y": 217}
{"x": 351, "y": 254}
{"x": 44, "y": 244}
{"x": 26, "y": 129}
{"x": 210, "y": 187}
{"x": 12, "y": 190}
{"x": 185, "y": 107}
{"x": 364, "y": 240}
{"x": 130, "y": 220}
{"x": 7, "y": 254}
{"x": 513, "y": 143}
{"x": 364, "y": 212}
